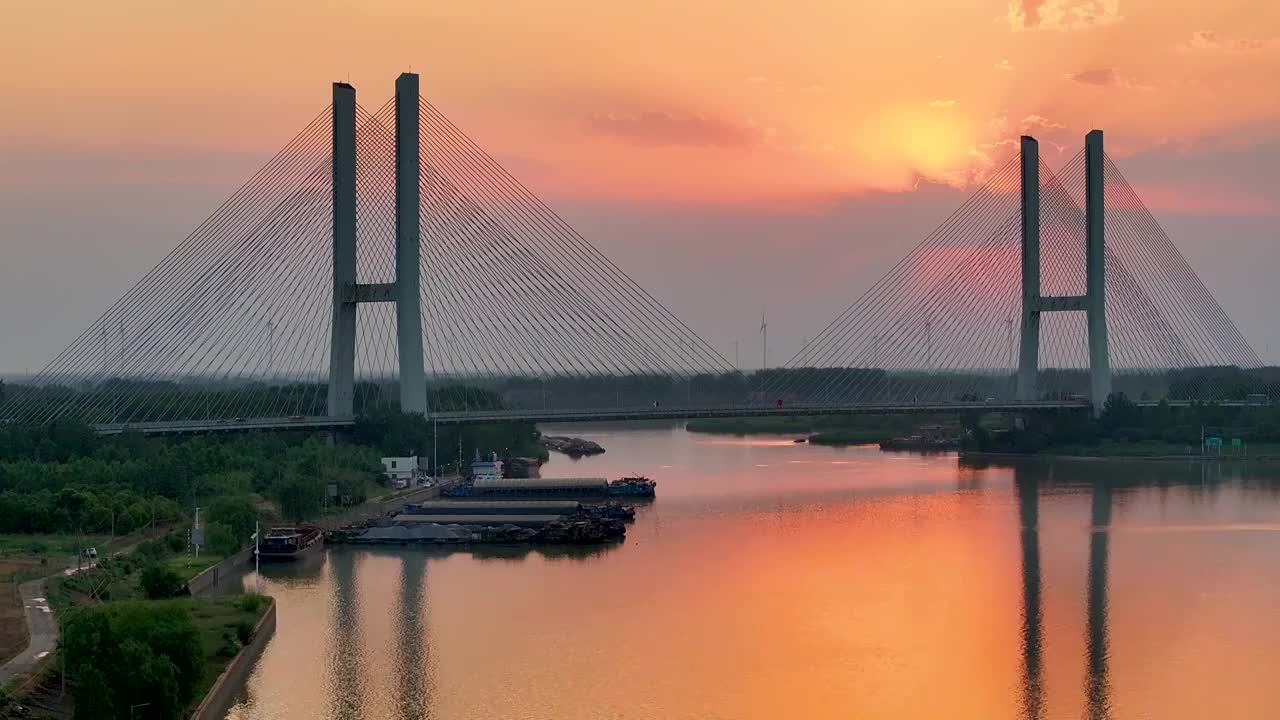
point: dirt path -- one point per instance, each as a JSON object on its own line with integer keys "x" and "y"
{"x": 28, "y": 630}
{"x": 41, "y": 627}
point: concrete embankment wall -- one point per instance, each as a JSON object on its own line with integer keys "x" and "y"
{"x": 383, "y": 507}
{"x": 209, "y": 577}
{"x": 232, "y": 680}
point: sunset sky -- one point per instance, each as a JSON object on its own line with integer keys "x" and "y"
{"x": 731, "y": 155}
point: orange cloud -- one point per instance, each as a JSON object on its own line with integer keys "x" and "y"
{"x": 1103, "y": 77}
{"x": 1062, "y": 14}
{"x": 657, "y": 128}
{"x": 1208, "y": 41}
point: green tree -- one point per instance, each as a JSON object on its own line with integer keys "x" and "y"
{"x": 127, "y": 653}
{"x": 237, "y": 513}
{"x": 159, "y": 582}
{"x": 220, "y": 540}
{"x": 300, "y": 497}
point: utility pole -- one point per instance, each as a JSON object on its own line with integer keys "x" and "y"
{"x": 735, "y": 355}
{"x": 257, "y": 568}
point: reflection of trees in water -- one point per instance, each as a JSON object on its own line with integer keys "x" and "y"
{"x": 485, "y": 552}
{"x": 1209, "y": 475}
{"x": 345, "y": 700}
{"x": 520, "y": 552}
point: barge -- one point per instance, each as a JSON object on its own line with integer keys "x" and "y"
{"x": 290, "y": 543}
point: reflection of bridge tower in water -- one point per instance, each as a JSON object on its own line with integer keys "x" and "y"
{"x": 346, "y": 700}
{"x": 415, "y": 667}
{"x": 1097, "y": 650}
{"x": 1097, "y": 685}
{"x": 412, "y": 661}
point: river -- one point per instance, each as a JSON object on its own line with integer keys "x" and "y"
{"x": 777, "y": 580}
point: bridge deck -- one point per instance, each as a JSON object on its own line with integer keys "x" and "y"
{"x": 480, "y": 417}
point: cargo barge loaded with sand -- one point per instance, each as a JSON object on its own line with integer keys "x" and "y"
{"x": 635, "y": 487}
{"x": 464, "y": 522}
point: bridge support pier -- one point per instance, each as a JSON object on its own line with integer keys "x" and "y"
{"x": 1095, "y": 254}
{"x": 413, "y": 382}
{"x": 342, "y": 341}
{"x": 1029, "y": 347}
{"x": 1093, "y": 302}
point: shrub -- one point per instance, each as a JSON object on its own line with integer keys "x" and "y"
{"x": 127, "y": 653}
{"x": 250, "y": 602}
{"x": 152, "y": 550}
{"x": 230, "y": 645}
{"x": 220, "y": 539}
{"x": 159, "y": 582}
{"x": 244, "y": 632}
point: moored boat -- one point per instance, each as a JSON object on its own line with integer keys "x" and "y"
{"x": 289, "y": 543}
{"x": 633, "y": 486}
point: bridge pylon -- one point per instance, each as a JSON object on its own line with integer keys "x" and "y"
{"x": 1093, "y": 302}
{"x": 404, "y": 291}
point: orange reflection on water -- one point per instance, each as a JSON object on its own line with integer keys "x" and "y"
{"x": 884, "y": 587}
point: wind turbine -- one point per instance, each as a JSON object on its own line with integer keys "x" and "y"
{"x": 764, "y": 348}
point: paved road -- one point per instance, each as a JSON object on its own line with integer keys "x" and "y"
{"x": 41, "y": 625}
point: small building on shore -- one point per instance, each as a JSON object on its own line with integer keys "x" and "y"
{"x": 403, "y": 471}
{"x": 486, "y": 469}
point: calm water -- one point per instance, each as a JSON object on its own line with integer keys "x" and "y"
{"x": 774, "y": 580}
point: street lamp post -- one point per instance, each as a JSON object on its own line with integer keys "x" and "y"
{"x": 135, "y": 707}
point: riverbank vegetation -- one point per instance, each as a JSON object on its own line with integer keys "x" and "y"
{"x": 1126, "y": 429}
{"x": 820, "y": 429}
{"x": 161, "y": 654}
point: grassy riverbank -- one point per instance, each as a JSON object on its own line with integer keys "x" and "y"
{"x": 226, "y": 625}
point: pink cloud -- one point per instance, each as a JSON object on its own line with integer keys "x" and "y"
{"x": 1199, "y": 199}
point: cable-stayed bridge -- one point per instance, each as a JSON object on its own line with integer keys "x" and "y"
{"x": 382, "y": 260}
